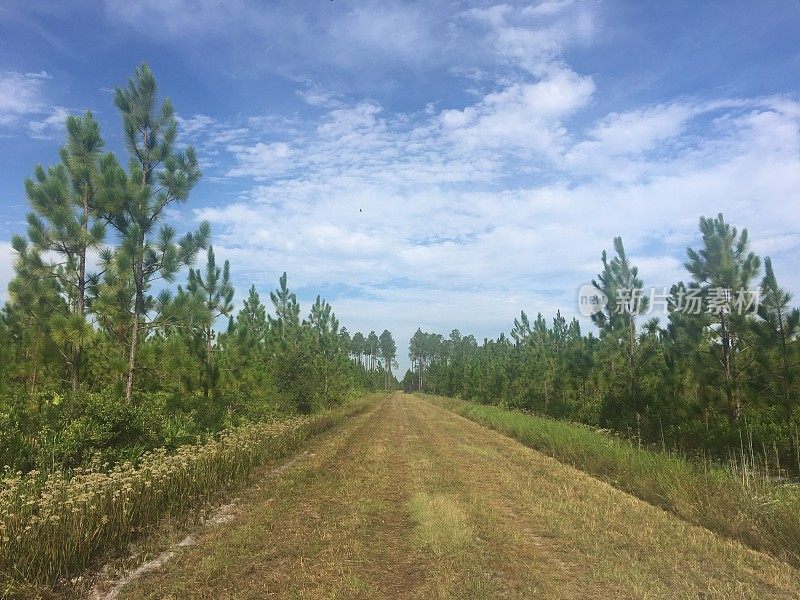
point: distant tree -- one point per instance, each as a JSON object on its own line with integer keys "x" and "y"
{"x": 408, "y": 381}
{"x": 416, "y": 353}
{"x": 779, "y": 342}
{"x": 624, "y": 289}
{"x": 324, "y": 328}
{"x": 212, "y": 295}
{"x": 345, "y": 342}
{"x": 372, "y": 349}
{"x": 388, "y": 353}
{"x": 522, "y": 329}
{"x": 251, "y": 325}
{"x": 357, "y": 347}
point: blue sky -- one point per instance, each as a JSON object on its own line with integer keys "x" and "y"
{"x": 435, "y": 164}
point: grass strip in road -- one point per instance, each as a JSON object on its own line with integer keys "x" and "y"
{"x": 441, "y": 524}
{"x": 52, "y": 527}
{"x": 762, "y": 514}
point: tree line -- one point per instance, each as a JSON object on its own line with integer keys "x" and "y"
{"x": 104, "y": 354}
{"x": 373, "y": 353}
{"x": 718, "y": 374}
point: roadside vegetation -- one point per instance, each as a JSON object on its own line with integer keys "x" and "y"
{"x": 708, "y": 368}
{"x": 746, "y": 507}
{"x": 105, "y": 355}
{"x": 53, "y": 526}
{"x": 131, "y": 387}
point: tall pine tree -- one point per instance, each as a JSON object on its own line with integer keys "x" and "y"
{"x": 136, "y": 200}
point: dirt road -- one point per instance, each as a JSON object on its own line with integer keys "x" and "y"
{"x": 410, "y": 501}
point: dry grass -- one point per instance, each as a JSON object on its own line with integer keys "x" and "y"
{"x": 334, "y": 525}
{"x": 756, "y": 511}
{"x": 411, "y": 501}
{"x": 441, "y": 524}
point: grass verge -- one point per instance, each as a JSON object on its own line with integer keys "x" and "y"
{"x": 762, "y": 514}
{"x": 52, "y": 527}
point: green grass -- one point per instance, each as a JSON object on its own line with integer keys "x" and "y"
{"x": 440, "y": 523}
{"x": 762, "y": 514}
{"x": 52, "y": 527}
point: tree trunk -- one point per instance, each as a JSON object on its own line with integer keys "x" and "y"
{"x": 77, "y": 350}
{"x": 731, "y": 397}
{"x": 209, "y": 357}
{"x": 132, "y": 354}
{"x": 325, "y": 394}
{"x": 138, "y": 308}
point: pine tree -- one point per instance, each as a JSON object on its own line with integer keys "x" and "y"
{"x": 522, "y": 329}
{"x": 251, "y": 327}
{"x": 357, "y": 345}
{"x": 778, "y": 336}
{"x": 286, "y": 322}
{"x": 33, "y": 303}
{"x": 324, "y": 328}
{"x": 345, "y": 343}
{"x": 372, "y": 348}
{"x": 416, "y": 353}
{"x": 624, "y": 289}
{"x": 724, "y": 269}
{"x": 135, "y": 202}
{"x": 388, "y": 353}
{"x": 213, "y": 296}
{"x": 62, "y": 229}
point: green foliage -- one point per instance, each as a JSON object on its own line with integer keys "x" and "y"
{"x": 107, "y": 366}
{"x": 286, "y": 322}
{"x": 52, "y": 284}
{"x": 60, "y": 431}
{"x": 705, "y": 383}
{"x": 387, "y": 351}
{"x": 134, "y": 204}
{"x": 726, "y": 263}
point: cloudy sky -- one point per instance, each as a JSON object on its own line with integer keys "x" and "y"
{"x": 439, "y": 164}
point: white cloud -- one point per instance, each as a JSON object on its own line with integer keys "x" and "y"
{"x": 195, "y": 124}
{"x": 44, "y": 128}
{"x": 385, "y": 29}
{"x": 534, "y": 37}
{"x": 24, "y": 107}
{"x": 7, "y": 256}
{"x": 261, "y": 160}
{"x": 522, "y": 114}
{"x": 639, "y": 130}
{"x": 167, "y": 18}
{"x": 372, "y": 200}
{"x": 348, "y": 38}
{"x": 20, "y": 95}
{"x": 315, "y": 96}
{"x": 550, "y": 7}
